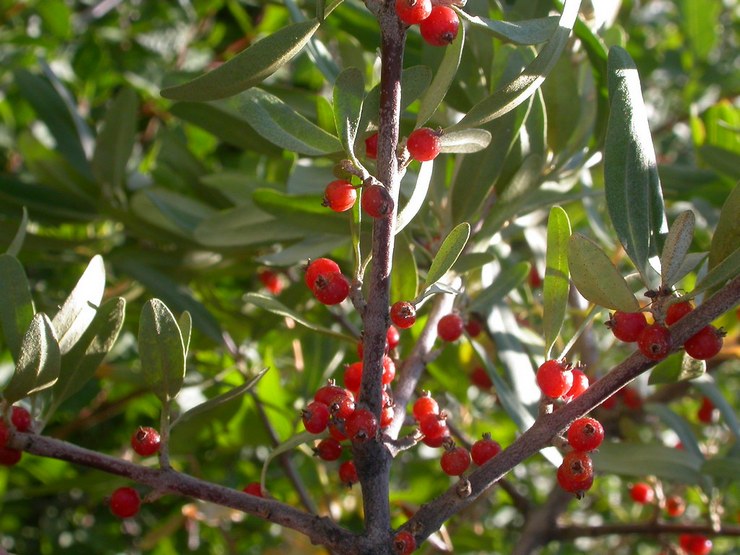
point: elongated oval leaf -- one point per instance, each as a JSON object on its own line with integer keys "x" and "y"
{"x": 349, "y": 93}
{"x": 79, "y": 308}
{"x": 726, "y": 236}
{"x": 414, "y": 204}
{"x": 596, "y": 277}
{"x": 404, "y": 277}
{"x": 676, "y": 247}
{"x": 248, "y": 68}
{"x": 448, "y": 252}
{"x": 161, "y": 350}
{"x": 557, "y": 282}
{"x": 16, "y": 309}
{"x": 301, "y": 212}
{"x": 506, "y": 281}
{"x": 38, "y": 361}
{"x": 530, "y": 31}
{"x": 523, "y": 86}
{"x": 632, "y": 459}
{"x": 277, "y": 122}
{"x": 631, "y": 183}
{"x": 722, "y": 272}
{"x": 465, "y": 141}
{"x": 243, "y": 226}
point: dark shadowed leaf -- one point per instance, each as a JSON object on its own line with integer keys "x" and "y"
{"x": 634, "y": 459}
{"x": 161, "y": 350}
{"x": 17, "y": 243}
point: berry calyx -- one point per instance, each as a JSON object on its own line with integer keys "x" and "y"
{"x": 704, "y": 344}
{"x": 348, "y": 473}
{"x": 677, "y": 311}
{"x": 412, "y": 12}
{"x": 145, "y": 441}
{"x": 484, "y": 449}
{"x": 554, "y": 379}
{"x": 576, "y": 473}
{"x": 404, "y": 543}
{"x": 371, "y": 146}
{"x": 655, "y": 342}
{"x": 585, "y": 434}
{"x": 320, "y": 266}
{"x": 423, "y": 144}
{"x": 403, "y": 314}
{"x": 340, "y": 195}
{"x": 455, "y": 460}
{"x": 675, "y": 506}
{"x": 642, "y": 493}
{"x": 695, "y": 544}
{"x": 315, "y": 417}
{"x": 254, "y": 488}
{"x": 627, "y": 326}
{"x": 361, "y": 425}
{"x": 21, "y": 419}
{"x": 328, "y": 449}
{"x": 376, "y": 201}
{"x": 450, "y": 327}
{"x": 331, "y": 288}
{"x": 425, "y": 405}
{"x": 440, "y": 28}
{"x": 124, "y": 502}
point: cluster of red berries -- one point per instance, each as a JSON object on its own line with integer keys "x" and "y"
{"x": 449, "y": 328}
{"x": 576, "y": 473}
{"x": 327, "y": 282}
{"x": 654, "y": 340}
{"x": 340, "y": 195}
{"x": 21, "y": 420}
{"x": 560, "y": 380}
{"x": 438, "y": 24}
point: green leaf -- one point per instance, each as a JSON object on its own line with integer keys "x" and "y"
{"x": 243, "y": 226}
{"x": 116, "y": 141}
{"x": 404, "y": 277}
{"x": 301, "y": 212}
{"x": 557, "y": 282}
{"x": 270, "y": 304}
{"x": 596, "y": 278}
{"x": 414, "y": 81}
{"x": 448, "y": 252}
{"x": 721, "y": 160}
{"x": 161, "y": 350}
{"x": 15, "y": 245}
{"x": 708, "y": 387}
{"x": 416, "y": 201}
{"x": 508, "y": 280}
{"x": 678, "y": 424}
{"x": 721, "y": 273}
{"x": 249, "y": 67}
{"x": 443, "y": 78}
{"x": 80, "y": 363}
{"x": 699, "y": 22}
{"x": 169, "y": 210}
{"x": 632, "y": 459}
{"x": 465, "y": 141}
{"x": 512, "y": 94}
{"x": 79, "y": 309}
{"x": 349, "y": 93}
{"x": 277, "y": 122}
{"x": 185, "y": 323}
{"x": 311, "y": 247}
{"x": 723, "y": 470}
{"x": 676, "y": 247}
{"x": 16, "y": 308}
{"x": 726, "y": 236}
{"x": 530, "y": 31}
{"x": 633, "y": 195}
{"x": 676, "y": 369}
{"x": 38, "y": 361}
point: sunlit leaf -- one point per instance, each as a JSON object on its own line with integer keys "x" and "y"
{"x": 16, "y": 308}
{"x": 676, "y": 247}
{"x": 161, "y": 350}
{"x": 416, "y": 201}
{"x": 504, "y": 283}
{"x": 17, "y": 243}
{"x": 349, "y": 93}
{"x": 726, "y": 236}
{"x": 530, "y": 31}
{"x": 557, "y": 283}
{"x": 465, "y": 141}
{"x": 301, "y": 212}
{"x": 448, "y": 252}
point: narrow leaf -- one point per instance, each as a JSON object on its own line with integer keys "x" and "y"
{"x": 16, "y": 309}
{"x": 280, "y": 124}
{"x": 414, "y": 204}
{"x": 557, "y": 282}
{"x": 530, "y": 31}
{"x": 678, "y": 424}
{"x": 301, "y": 212}
{"x": 404, "y": 277}
{"x": 244, "y": 226}
{"x": 633, "y": 195}
{"x": 79, "y": 309}
{"x": 632, "y": 459}
{"x": 465, "y": 141}
{"x": 349, "y": 93}
{"x": 726, "y": 236}
{"x": 722, "y": 272}
{"x": 676, "y": 247}
{"x": 448, "y": 252}
{"x": 15, "y": 245}
{"x": 248, "y": 68}
{"x": 508, "y": 280}
{"x": 596, "y": 277}
{"x": 38, "y": 361}
{"x": 161, "y": 350}
{"x": 185, "y": 323}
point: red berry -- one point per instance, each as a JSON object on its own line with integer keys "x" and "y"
{"x": 484, "y": 449}
{"x": 340, "y": 195}
{"x": 631, "y": 398}
{"x": 705, "y": 343}
{"x": 320, "y": 266}
{"x": 271, "y": 281}
{"x": 353, "y": 377}
{"x": 440, "y": 28}
{"x": 386, "y": 415}
{"x": 433, "y": 425}
{"x": 534, "y": 279}
{"x": 554, "y": 379}
{"x": 695, "y": 544}
{"x": 4, "y": 435}
{"x": 331, "y": 289}
{"x": 412, "y": 12}
{"x": 675, "y": 506}
{"x": 21, "y": 419}
{"x": 642, "y": 493}
{"x": 348, "y": 473}
{"x": 145, "y": 441}
{"x": 389, "y": 370}
{"x": 254, "y": 488}
{"x": 361, "y": 425}
{"x": 423, "y": 144}
{"x": 425, "y": 405}
{"x": 627, "y": 326}
{"x": 705, "y": 414}
{"x": 376, "y": 201}
{"x": 576, "y": 473}
{"x": 125, "y": 502}
{"x": 331, "y": 393}
{"x": 580, "y": 384}
{"x": 403, "y": 314}
{"x": 450, "y": 327}
{"x": 315, "y": 417}
{"x": 404, "y": 542}
{"x": 336, "y": 433}
{"x": 473, "y": 327}
{"x": 329, "y": 449}
{"x": 585, "y": 434}
{"x": 655, "y": 342}
{"x": 480, "y": 378}
{"x": 371, "y": 146}
{"x": 455, "y": 461}
{"x": 436, "y": 441}
{"x": 677, "y": 311}
{"x": 392, "y": 338}
{"x": 9, "y": 457}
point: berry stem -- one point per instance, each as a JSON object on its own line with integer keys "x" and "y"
{"x": 164, "y": 434}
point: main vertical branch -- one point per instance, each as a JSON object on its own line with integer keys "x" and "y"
{"x": 371, "y": 457}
